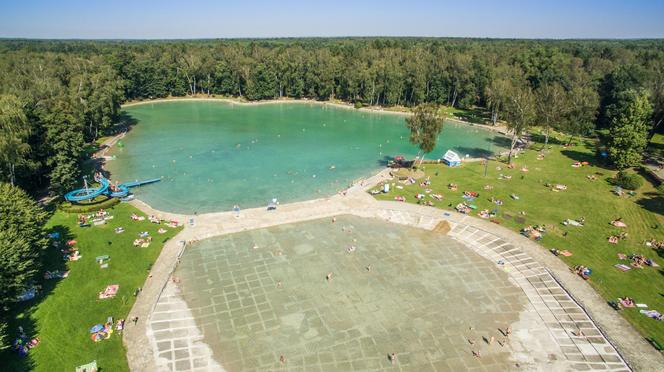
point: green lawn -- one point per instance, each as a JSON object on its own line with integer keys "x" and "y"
{"x": 68, "y": 308}
{"x": 583, "y": 198}
{"x": 473, "y": 115}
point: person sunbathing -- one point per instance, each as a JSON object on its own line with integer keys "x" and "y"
{"x": 400, "y": 198}
{"x": 452, "y": 186}
{"x": 582, "y": 271}
{"x": 462, "y": 208}
{"x": 613, "y": 239}
{"x": 437, "y": 196}
{"x": 627, "y": 302}
{"x": 557, "y": 252}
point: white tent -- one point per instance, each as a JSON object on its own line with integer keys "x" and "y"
{"x": 452, "y": 159}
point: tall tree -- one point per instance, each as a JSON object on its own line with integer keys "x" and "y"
{"x": 425, "y": 125}
{"x": 656, "y": 87}
{"x": 22, "y": 244}
{"x": 629, "y": 123}
{"x": 497, "y": 94}
{"x": 582, "y": 105}
{"x": 551, "y": 106}
{"x": 521, "y": 112}
{"x": 14, "y": 132}
{"x": 64, "y": 133}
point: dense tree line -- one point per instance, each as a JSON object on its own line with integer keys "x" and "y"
{"x": 23, "y": 245}
{"x": 58, "y": 95}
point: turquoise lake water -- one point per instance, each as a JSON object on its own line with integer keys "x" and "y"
{"x": 213, "y": 155}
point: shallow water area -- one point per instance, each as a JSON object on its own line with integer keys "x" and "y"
{"x": 261, "y": 294}
{"x": 213, "y": 155}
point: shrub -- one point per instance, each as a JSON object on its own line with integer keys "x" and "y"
{"x": 629, "y": 181}
{"x": 358, "y": 104}
{"x": 89, "y": 207}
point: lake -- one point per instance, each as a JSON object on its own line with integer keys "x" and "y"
{"x": 212, "y": 155}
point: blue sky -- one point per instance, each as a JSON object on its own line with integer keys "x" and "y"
{"x": 184, "y": 19}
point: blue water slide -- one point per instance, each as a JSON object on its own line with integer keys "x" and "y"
{"x": 121, "y": 190}
{"x": 89, "y": 193}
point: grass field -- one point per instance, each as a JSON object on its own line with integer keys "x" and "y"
{"x": 593, "y": 200}
{"x": 67, "y": 308}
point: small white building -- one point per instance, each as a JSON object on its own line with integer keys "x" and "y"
{"x": 452, "y": 159}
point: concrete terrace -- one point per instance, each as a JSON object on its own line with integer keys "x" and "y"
{"x": 559, "y": 301}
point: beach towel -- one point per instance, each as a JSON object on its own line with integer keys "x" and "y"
{"x": 651, "y": 313}
{"x": 622, "y": 267}
{"x": 572, "y": 222}
{"x": 619, "y": 224}
{"x": 641, "y": 305}
{"x": 109, "y": 292}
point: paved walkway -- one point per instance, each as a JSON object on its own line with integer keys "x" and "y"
{"x": 564, "y": 302}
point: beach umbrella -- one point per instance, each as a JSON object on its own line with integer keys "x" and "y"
{"x": 96, "y": 328}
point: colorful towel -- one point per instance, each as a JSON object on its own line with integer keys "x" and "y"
{"x": 109, "y": 292}
{"x": 622, "y": 267}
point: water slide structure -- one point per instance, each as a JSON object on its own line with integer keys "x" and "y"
{"x": 105, "y": 188}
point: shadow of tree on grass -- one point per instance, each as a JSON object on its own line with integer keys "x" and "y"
{"x": 653, "y": 202}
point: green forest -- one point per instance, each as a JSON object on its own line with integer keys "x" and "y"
{"x": 58, "y": 96}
